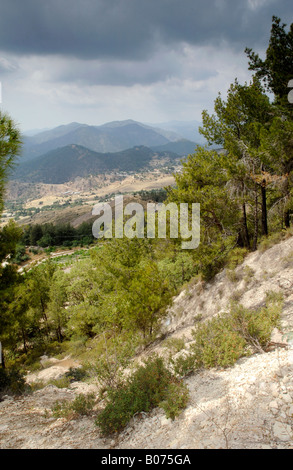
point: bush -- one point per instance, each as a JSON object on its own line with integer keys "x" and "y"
{"x": 11, "y": 382}
{"x": 183, "y": 365}
{"x": 236, "y": 257}
{"x": 174, "y": 344}
{"x": 256, "y": 326}
{"x": 76, "y": 374}
{"x": 224, "y": 339}
{"x": 271, "y": 240}
{"x": 144, "y": 390}
{"x": 177, "y": 397}
{"x": 217, "y": 344}
{"x": 62, "y": 382}
{"x": 82, "y": 405}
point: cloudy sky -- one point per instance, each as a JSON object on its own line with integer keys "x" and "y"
{"x": 95, "y": 61}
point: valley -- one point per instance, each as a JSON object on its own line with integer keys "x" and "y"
{"x": 58, "y": 179}
{"x": 39, "y": 203}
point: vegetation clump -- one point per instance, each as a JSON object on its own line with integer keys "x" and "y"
{"x": 12, "y": 382}
{"x": 82, "y": 405}
{"x": 151, "y": 385}
{"x": 222, "y": 340}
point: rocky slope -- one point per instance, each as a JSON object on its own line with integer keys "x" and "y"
{"x": 246, "y": 406}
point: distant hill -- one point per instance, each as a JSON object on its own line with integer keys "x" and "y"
{"x": 182, "y": 147}
{"x": 67, "y": 163}
{"x": 109, "y": 137}
{"x": 186, "y": 129}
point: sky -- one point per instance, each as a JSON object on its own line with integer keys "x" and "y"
{"x": 95, "y": 61}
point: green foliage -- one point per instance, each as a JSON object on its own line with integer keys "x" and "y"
{"x": 256, "y": 327}
{"x": 114, "y": 355}
{"x": 10, "y": 236}
{"x": 145, "y": 389}
{"x": 248, "y": 274}
{"x": 20, "y": 255}
{"x": 270, "y": 241}
{"x": 61, "y": 382}
{"x": 154, "y": 195}
{"x": 217, "y": 344}
{"x": 12, "y": 382}
{"x": 174, "y": 344}
{"x": 221, "y": 341}
{"x": 177, "y": 396}
{"x": 10, "y": 144}
{"x": 48, "y": 235}
{"x": 178, "y": 268}
{"x": 77, "y": 374}
{"x": 82, "y": 405}
{"x": 236, "y": 257}
{"x": 183, "y": 365}
{"x": 277, "y": 69}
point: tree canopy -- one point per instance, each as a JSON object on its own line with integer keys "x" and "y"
{"x": 276, "y": 70}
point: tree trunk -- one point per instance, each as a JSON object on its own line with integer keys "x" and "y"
{"x": 245, "y": 228}
{"x": 264, "y": 214}
{"x": 59, "y": 334}
{"x": 2, "y": 358}
{"x": 23, "y": 340}
{"x": 255, "y": 221}
{"x": 287, "y": 218}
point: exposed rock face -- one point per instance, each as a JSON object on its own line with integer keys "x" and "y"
{"x": 247, "y": 406}
{"x": 271, "y": 271}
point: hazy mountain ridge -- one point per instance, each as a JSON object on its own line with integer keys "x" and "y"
{"x": 182, "y": 147}
{"x": 66, "y": 163}
{"x": 186, "y": 129}
{"x": 110, "y": 137}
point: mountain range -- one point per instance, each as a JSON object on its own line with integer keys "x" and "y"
{"x": 75, "y": 150}
{"x": 110, "y": 137}
{"x": 67, "y": 163}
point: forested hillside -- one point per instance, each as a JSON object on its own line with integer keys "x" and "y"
{"x": 106, "y": 309}
{"x": 67, "y": 163}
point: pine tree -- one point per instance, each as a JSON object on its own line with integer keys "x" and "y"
{"x": 236, "y": 126}
{"x": 277, "y": 68}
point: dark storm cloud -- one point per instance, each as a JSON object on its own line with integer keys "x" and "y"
{"x": 132, "y": 29}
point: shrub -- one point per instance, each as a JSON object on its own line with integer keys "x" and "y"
{"x": 224, "y": 339}
{"x": 236, "y": 257}
{"x": 12, "y": 382}
{"x": 174, "y": 344}
{"x": 232, "y": 275}
{"x": 61, "y": 382}
{"x": 177, "y": 397}
{"x": 217, "y": 344}
{"x": 248, "y": 274}
{"x": 271, "y": 240}
{"x": 183, "y": 365}
{"x": 76, "y": 374}
{"x": 82, "y": 405}
{"x": 256, "y": 326}
{"x": 145, "y": 389}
